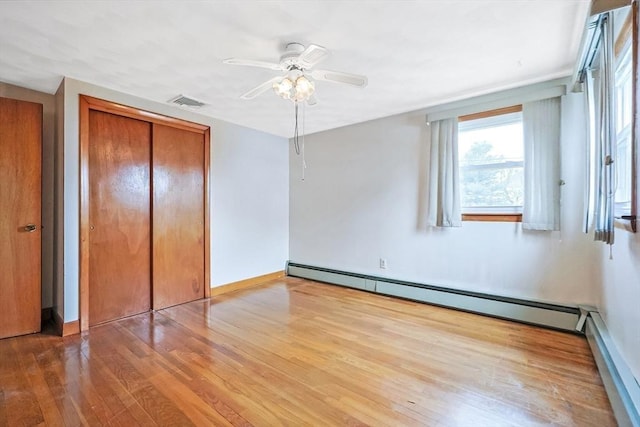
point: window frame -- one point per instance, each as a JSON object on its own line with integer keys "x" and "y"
{"x": 635, "y": 127}
{"x": 497, "y": 216}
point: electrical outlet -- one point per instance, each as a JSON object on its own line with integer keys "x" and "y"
{"x": 383, "y": 263}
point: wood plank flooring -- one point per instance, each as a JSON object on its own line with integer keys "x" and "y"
{"x": 295, "y": 352}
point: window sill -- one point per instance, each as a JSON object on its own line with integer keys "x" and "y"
{"x": 625, "y": 224}
{"x": 517, "y": 217}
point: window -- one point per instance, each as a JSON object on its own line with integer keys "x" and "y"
{"x": 608, "y": 73}
{"x": 623, "y": 110}
{"x": 491, "y": 165}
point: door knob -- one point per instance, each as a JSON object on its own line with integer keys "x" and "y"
{"x": 30, "y": 228}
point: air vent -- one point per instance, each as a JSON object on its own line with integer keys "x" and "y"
{"x": 186, "y": 101}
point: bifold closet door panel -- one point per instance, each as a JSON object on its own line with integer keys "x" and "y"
{"x": 119, "y": 217}
{"x": 20, "y": 213}
{"x": 178, "y": 216}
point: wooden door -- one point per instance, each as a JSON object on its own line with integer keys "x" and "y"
{"x": 20, "y": 217}
{"x": 119, "y": 217}
{"x": 178, "y": 216}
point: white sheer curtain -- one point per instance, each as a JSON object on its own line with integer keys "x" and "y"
{"x": 589, "y": 190}
{"x": 600, "y": 86}
{"x": 541, "y": 124}
{"x": 444, "y": 185}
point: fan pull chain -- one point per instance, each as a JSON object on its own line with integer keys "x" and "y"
{"x": 304, "y": 162}
{"x": 296, "y": 137}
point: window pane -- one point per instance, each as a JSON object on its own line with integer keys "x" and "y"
{"x": 623, "y": 112}
{"x": 623, "y": 176}
{"x": 491, "y": 155}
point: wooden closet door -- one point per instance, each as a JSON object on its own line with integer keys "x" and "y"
{"x": 20, "y": 217}
{"x": 119, "y": 217}
{"x": 178, "y": 216}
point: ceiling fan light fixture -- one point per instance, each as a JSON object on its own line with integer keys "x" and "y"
{"x": 304, "y": 89}
{"x": 283, "y": 88}
{"x": 296, "y": 90}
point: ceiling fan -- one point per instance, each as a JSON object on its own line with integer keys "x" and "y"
{"x": 297, "y": 84}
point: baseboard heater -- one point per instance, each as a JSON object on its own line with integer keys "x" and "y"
{"x": 554, "y": 316}
{"x": 622, "y": 388}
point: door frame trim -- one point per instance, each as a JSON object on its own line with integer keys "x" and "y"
{"x": 88, "y": 103}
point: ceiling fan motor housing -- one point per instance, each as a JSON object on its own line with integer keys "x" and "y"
{"x": 291, "y": 54}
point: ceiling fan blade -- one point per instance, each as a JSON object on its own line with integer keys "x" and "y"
{"x": 252, "y": 63}
{"x": 312, "y": 55}
{"x": 312, "y": 100}
{"x": 261, "y": 88}
{"x": 340, "y": 77}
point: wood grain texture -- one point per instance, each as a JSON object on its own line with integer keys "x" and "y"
{"x": 63, "y": 329}
{"x": 295, "y": 352}
{"x": 178, "y": 216}
{"x": 490, "y": 113}
{"x": 493, "y": 217}
{"x": 20, "y": 205}
{"x": 119, "y": 217}
{"x": 87, "y": 106}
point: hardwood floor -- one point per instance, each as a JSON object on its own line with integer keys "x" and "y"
{"x": 296, "y": 352}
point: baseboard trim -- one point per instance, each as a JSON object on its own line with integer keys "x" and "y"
{"x": 549, "y": 315}
{"x": 57, "y": 322}
{"x": 71, "y": 328}
{"x": 65, "y": 329}
{"x": 246, "y": 283}
{"x": 621, "y": 386}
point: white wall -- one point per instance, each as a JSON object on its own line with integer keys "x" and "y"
{"x": 363, "y": 199}
{"x": 249, "y": 172}
{"x": 620, "y": 295}
{"x": 250, "y": 204}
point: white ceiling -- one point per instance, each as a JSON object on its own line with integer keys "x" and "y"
{"x": 415, "y": 53}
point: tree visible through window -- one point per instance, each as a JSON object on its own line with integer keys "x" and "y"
{"x": 491, "y": 159}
